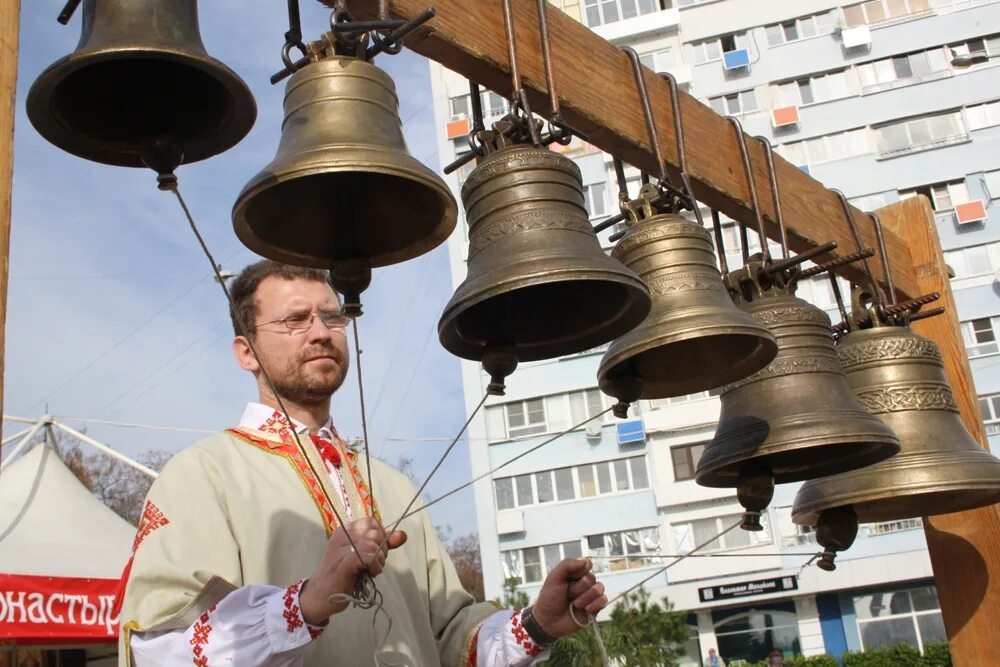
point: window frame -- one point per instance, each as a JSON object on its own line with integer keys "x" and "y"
{"x": 690, "y": 461}
{"x": 973, "y": 346}
{"x": 913, "y": 614}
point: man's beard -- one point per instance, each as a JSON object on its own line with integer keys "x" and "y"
{"x": 296, "y": 383}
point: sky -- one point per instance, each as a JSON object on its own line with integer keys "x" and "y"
{"x": 112, "y": 310}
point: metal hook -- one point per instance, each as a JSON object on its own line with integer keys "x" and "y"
{"x": 846, "y": 207}
{"x": 748, "y": 170}
{"x": 675, "y": 106}
{"x": 647, "y": 109}
{"x": 884, "y": 253}
{"x": 720, "y": 246}
{"x": 518, "y": 96}
{"x": 556, "y": 122}
{"x": 773, "y": 176}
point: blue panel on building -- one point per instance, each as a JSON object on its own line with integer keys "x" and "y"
{"x": 804, "y": 168}
{"x": 736, "y": 59}
{"x": 631, "y": 431}
{"x": 832, "y": 624}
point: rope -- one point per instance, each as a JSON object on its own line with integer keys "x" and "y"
{"x": 592, "y": 621}
{"x": 364, "y": 419}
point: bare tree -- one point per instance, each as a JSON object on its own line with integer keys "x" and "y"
{"x": 465, "y": 554}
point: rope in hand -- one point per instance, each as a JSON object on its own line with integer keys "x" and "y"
{"x": 592, "y": 621}
{"x": 364, "y": 418}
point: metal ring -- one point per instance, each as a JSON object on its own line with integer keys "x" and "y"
{"x": 286, "y": 54}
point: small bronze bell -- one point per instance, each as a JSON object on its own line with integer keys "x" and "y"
{"x": 139, "y": 79}
{"x": 343, "y": 189}
{"x": 694, "y": 338}
{"x": 796, "y": 419}
{"x": 538, "y": 283}
{"x": 899, "y": 377}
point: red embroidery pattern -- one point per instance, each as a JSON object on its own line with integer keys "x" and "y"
{"x": 152, "y": 518}
{"x": 521, "y": 636}
{"x": 370, "y": 506}
{"x": 474, "y": 650}
{"x": 199, "y": 638}
{"x": 276, "y": 424}
{"x": 293, "y": 618}
{"x": 288, "y": 450}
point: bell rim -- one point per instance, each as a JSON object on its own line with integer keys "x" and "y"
{"x": 857, "y": 450}
{"x": 454, "y": 343}
{"x": 610, "y": 368}
{"x": 952, "y": 468}
{"x": 421, "y": 175}
{"x": 48, "y": 126}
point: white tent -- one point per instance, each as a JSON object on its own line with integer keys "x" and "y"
{"x": 61, "y": 552}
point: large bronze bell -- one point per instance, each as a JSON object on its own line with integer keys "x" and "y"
{"x": 538, "y": 283}
{"x": 139, "y": 79}
{"x": 694, "y": 338}
{"x": 343, "y": 188}
{"x": 796, "y": 419}
{"x": 899, "y": 377}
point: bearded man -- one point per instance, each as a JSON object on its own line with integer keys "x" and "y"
{"x": 240, "y": 557}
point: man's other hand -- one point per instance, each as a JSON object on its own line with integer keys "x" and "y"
{"x": 570, "y": 582}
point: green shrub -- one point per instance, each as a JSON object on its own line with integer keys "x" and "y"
{"x": 802, "y": 661}
{"x": 936, "y": 654}
{"x": 900, "y": 655}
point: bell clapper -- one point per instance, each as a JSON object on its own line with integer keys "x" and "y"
{"x": 835, "y": 531}
{"x": 163, "y": 157}
{"x": 755, "y": 489}
{"x": 499, "y": 361}
{"x": 351, "y": 279}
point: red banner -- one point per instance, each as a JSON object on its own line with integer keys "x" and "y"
{"x": 57, "y": 609}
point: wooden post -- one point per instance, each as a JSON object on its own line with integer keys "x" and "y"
{"x": 599, "y": 96}
{"x": 964, "y": 547}
{"x": 10, "y": 11}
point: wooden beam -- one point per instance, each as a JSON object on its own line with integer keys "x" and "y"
{"x": 964, "y": 547}
{"x": 598, "y": 94}
{"x": 10, "y": 11}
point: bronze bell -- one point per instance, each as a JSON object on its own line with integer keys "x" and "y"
{"x": 140, "y": 78}
{"x": 539, "y": 285}
{"x": 899, "y": 377}
{"x": 796, "y": 419}
{"x": 343, "y": 189}
{"x": 694, "y": 338}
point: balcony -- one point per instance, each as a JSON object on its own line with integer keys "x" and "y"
{"x": 630, "y": 29}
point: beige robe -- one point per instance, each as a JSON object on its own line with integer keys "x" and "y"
{"x": 230, "y": 511}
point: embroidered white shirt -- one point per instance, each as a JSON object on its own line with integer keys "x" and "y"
{"x": 249, "y": 627}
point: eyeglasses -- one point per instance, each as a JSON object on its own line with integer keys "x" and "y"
{"x": 299, "y": 322}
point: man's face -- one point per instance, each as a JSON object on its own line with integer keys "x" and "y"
{"x": 307, "y": 366}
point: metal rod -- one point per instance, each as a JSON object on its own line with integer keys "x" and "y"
{"x": 846, "y": 207}
{"x": 812, "y": 253}
{"x": 834, "y": 263}
{"x": 839, "y": 298}
{"x": 744, "y": 242}
{"x": 67, "y": 11}
{"x": 748, "y": 170}
{"x": 619, "y": 172}
{"x": 543, "y": 32}
{"x": 775, "y": 195}
{"x": 880, "y": 239}
{"x": 647, "y": 109}
{"x": 720, "y": 246}
{"x": 352, "y": 27}
{"x": 8, "y": 458}
{"x": 107, "y": 450}
{"x": 515, "y": 74}
{"x": 400, "y": 32}
{"x": 477, "y": 107}
{"x": 294, "y": 34}
{"x": 675, "y": 106}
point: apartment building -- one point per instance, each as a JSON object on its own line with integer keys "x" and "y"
{"x": 864, "y": 97}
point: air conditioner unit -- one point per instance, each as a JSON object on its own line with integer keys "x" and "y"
{"x": 972, "y": 211}
{"x": 856, "y": 37}
{"x": 594, "y": 429}
{"x": 785, "y": 116}
{"x": 737, "y": 59}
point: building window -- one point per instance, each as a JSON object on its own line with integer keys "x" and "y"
{"x": 920, "y": 133}
{"x": 624, "y": 550}
{"x": 658, "y": 61}
{"x": 817, "y": 88}
{"x": 989, "y": 45}
{"x": 869, "y": 202}
{"x": 800, "y": 28}
{"x": 494, "y": 105}
{"x": 989, "y": 405}
{"x": 877, "y": 11}
{"x": 596, "y": 199}
{"x": 526, "y": 417}
{"x": 827, "y": 148}
{"x": 701, "y": 395}
{"x": 878, "y": 73}
{"x": 911, "y": 616}
{"x": 979, "y": 260}
{"x": 685, "y": 459}
{"x": 734, "y": 104}
{"x": 712, "y": 49}
{"x": 691, "y": 534}
{"x": 943, "y": 196}
{"x": 983, "y": 115}
{"x": 603, "y": 12}
{"x": 582, "y": 481}
{"x": 750, "y": 637}
{"x": 530, "y": 565}
{"x": 980, "y": 336}
{"x": 886, "y": 527}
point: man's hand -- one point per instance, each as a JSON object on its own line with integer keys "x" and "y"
{"x": 341, "y": 566}
{"x": 570, "y": 582}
